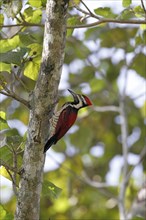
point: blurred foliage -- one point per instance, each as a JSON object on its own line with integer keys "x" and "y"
{"x": 94, "y": 61}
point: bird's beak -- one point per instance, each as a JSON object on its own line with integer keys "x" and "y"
{"x": 74, "y": 95}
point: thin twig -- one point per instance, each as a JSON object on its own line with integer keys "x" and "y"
{"x": 102, "y": 21}
{"x": 16, "y": 75}
{"x": 82, "y": 10}
{"x": 24, "y": 24}
{"x": 18, "y": 19}
{"x": 111, "y": 108}
{"x": 93, "y": 183}
{"x": 10, "y": 169}
{"x": 124, "y": 137}
{"x": 13, "y": 95}
{"x": 100, "y": 186}
{"x": 13, "y": 183}
{"x": 143, "y": 7}
{"x": 142, "y": 157}
{"x": 4, "y": 164}
{"x": 15, "y": 164}
{"x": 90, "y": 12}
{"x": 138, "y": 96}
{"x": 17, "y": 98}
{"x": 22, "y": 17}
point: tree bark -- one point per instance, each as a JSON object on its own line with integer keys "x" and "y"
{"x": 42, "y": 102}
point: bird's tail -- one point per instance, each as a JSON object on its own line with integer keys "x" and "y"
{"x": 49, "y": 143}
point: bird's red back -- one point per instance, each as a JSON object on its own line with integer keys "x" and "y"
{"x": 66, "y": 120}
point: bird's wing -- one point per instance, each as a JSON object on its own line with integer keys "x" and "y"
{"x": 65, "y": 121}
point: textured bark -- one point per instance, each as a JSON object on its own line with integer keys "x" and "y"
{"x": 42, "y": 102}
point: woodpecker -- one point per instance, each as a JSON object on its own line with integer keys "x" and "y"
{"x": 65, "y": 117}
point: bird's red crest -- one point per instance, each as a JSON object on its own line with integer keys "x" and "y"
{"x": 88, "y": 101}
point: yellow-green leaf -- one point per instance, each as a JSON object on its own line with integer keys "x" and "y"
{"x": 126, "y": 3}
{"x": 9, "y": 44}
{"x": 36, "y": 4}
{"x": 3, "y": 115}
{"x": 32, "y": 68}
{"x": 3, "y": 123}
{"x": 143, "y": 110}
{"x": 105, "y": 12}
{"x": 35, "y": 49}
{"x": 4, "y": 173}
{"x": 1, "y": 19}
{"x": 5, "y": 67}
{"x": 33, "y": 16}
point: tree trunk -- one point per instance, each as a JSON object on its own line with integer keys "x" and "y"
{"x": 42, "y": 102}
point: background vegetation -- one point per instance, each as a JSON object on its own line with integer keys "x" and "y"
{"x": 98, "y": 166}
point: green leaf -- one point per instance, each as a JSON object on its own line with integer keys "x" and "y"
{"x": 16, "y": 7}
{"x": 105, "y": 12}
{"x": 13, "y": 8}
{"x": 9, "y": 44}
{"x": 36, "y": 4}
{"x": 1, "y": 19}
{"x": 138, "y": 64}
{"x": 143, "y": 26}
{"x": 3, "y": 81}
{"x": 32, "y": 68}
{"x": 37, "y": 16}
{"x": 36, "y": 49}
{"x": 117, "y": 37}
{"x": 33, "y": 16}
{"x": 126, "y": 3}
{"x": 3, "y": 123}
{"x": 4, "y": 173}
{"x": 4, "y": 214}
{"x": 5, "y": 67}
{"x": 143, "y": 110}
{"x": 141, "y": 39}
{"x": 139, "y": 12}
{"x": 7, "y": 144}
{"x": 126, "y": 14}
{"x": 12, "y": 57}
{"x": 44, "y": 3}
{"x": 74, "y": 20}
{"x": 5, "y": 153}
{"x": 33, "y": 65}
{"x": 74, "y": 2}
{"x": 51, "y": 190}
{"x": 26, "y": 39}
{"x": 2, "y": 115}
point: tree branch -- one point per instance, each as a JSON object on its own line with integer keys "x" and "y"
{"x": 42, "y": 103}
{"x": 111, "y": 108}
{"x": 103, "y": 21}
{"x": 17, "y": 98}
{"x": 12, "y": 169}
{"x": 94, "y": 24}
{"x": 89, "y": 11}
{"x": 143, "y": 6}
{"x": 11, "y": 94}
{"x": 142, "y": 157}
{"x": 85, "y": 180}
{"x": 124, "y": 136}
{"x": 24, "y": 24}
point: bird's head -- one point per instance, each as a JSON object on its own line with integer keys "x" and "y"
{"x": 80, "y": 101}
